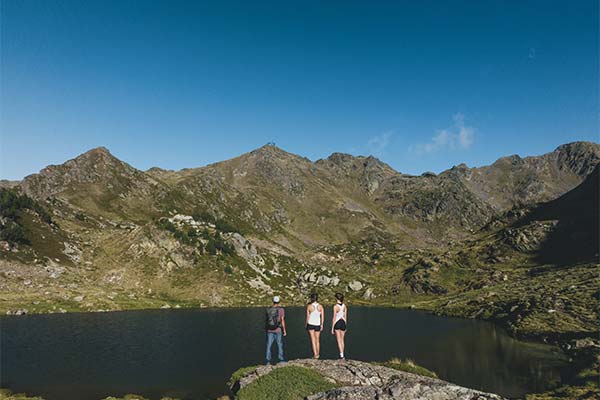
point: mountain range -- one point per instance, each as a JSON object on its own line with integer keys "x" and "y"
{"x": 95, "y": 233}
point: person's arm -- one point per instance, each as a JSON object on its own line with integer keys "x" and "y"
{"x": 346, "y": 314}
{"x": 283, "y": 325}
{"x": 333, "y": 320}
{"x": 307, "y": 314}
{"x": 322, "y": 311}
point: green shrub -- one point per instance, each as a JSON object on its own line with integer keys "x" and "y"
{"x": 43, "y": 214}
{"x": 14, "y": 233}
{"x": 11, "y": 203}
{"x": 210, "y": 247}
{"x": 165, "y": 224}
{"x": 223, "y": 246}
{"x": 192, "y": 234}
{"x": 203, "y": 216}
{"x": 225, "y": 226}
{"x": 80, "y": 216}
{"x": 189, "y": 236}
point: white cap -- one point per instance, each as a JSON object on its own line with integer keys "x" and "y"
{"x": 276, "y": 299}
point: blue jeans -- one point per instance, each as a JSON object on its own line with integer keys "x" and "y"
{"x": 278, "y": 337}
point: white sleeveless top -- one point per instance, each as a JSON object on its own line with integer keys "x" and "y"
{"x": 314, "y": 318}
{"x": 340, "y": 314}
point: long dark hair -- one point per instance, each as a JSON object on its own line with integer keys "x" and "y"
{"x": 313, "y": 298}
{"x": 340, "y": 297}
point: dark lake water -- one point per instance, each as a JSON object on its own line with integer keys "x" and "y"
{"x": 191, "y": 353}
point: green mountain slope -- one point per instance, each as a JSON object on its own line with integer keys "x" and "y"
{"x": 270, "y": 221}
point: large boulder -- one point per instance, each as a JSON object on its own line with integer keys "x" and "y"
{"x": 323, "y": 280}
{"x": 369, "y": 294}
{"x": 245, "y": 249}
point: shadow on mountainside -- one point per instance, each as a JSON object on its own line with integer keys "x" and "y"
{"x": 575, "y": 237}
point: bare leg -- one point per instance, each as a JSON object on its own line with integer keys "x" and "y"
{"x": 338, "y": 338}
{"x": 342, "y": 336}
{"x": 318, "y": 344}
{"x": 311, "y": 333}
{"x": 339, "y": 335}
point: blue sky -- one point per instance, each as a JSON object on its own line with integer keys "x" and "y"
{"x": 423, "y": 85}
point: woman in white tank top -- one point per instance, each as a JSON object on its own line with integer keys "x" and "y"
{"x": 314, "y": 324}
{"x": 340, "y": 319}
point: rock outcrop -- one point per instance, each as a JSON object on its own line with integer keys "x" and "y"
{"x": 360, "y": 380}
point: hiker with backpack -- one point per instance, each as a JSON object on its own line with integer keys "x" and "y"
{"x": 314, "y": 324}
{"x": 275, "y": 327}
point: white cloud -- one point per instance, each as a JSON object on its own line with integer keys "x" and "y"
{"x": 379, "y": 143}
{"x": 458, "y": 136}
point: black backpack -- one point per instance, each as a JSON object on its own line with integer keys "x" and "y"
{"x": 273, "y": 321}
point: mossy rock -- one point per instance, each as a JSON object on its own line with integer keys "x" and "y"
{"x": 285, "y": 383}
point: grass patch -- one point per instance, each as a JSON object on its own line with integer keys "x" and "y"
{"x": 587, "y": 392}
{"x": 285, "y": 383}
{"x": 6, "y": 394}
{"x": 407, "y": 366}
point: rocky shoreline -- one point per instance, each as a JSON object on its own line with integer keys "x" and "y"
{"x": 358, "y": 380}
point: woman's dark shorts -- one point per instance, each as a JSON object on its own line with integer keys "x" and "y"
{"x": 316, "y": 328}
{"x": 340, "y": 325}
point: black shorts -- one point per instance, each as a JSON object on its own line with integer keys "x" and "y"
{"x": 316, "y": 328}
{"x": 340, "y": 325}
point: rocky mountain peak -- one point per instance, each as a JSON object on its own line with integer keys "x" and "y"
{"x": 95, "y": 165}
{"x": 347, "y": 162}
{"x": 369, "y": 172}
{"x": 340, "y": 158}
{"x": 460, "y": 167}
{"x": 158, "y": 170}
{"x": 271, "y": 150}
{"x": 100, "y": 150}
{"x": 579, "y": 157}
{"x": 457, "y": 172}
{"x": 97, "y": 157}
{"x": 514, "y": 159}
{"x": 270, "y": 156}
{"x": 98, "y": 160}
{"x": 580, "y": 146}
